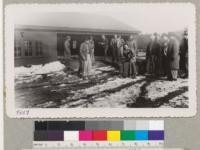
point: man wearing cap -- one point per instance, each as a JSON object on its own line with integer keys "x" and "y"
{"x": 67, "y": 51}
{"x": 184, "y": 55}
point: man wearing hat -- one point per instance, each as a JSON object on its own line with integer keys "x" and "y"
{"x": 184, "y": 55}
{"x": 67, "y": 51}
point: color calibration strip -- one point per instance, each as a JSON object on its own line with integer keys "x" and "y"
{"x": 128, "y": 130}
{"x": 99, "y": 134}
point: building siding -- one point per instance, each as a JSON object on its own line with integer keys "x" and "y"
{"x": 49, "y": 47}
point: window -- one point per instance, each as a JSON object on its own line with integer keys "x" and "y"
{"x": 74, "y": 44}
{"x": 18, "y": 50}
{"x": 38, "y": 48}
{"x": 28, "y": 48}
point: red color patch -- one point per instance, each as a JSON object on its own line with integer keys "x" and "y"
{"x": 100, "y": 135}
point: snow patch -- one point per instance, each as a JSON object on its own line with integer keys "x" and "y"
{"x": 39, "y": 69}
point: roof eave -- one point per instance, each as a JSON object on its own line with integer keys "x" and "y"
{"x": 73, "y": 30}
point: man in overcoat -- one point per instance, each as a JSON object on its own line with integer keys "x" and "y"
{"x": 85, "y": 68}
{"x": 67, "y": 51}
{"x": 155, "y": 55}
{"x": 92, "y": 48}
{"x": 132, "y": 45}
{"x": 120, "y": 57}
{"x": 164, "y": 49}
{"x": 113, "y": 44}
{"x": 184, "y": 55}
{"x": 173, "y": 58}
{"x": 149, "y": 62}
{"x": 105, "y": 45}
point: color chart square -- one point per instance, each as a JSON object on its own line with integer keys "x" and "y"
{"x": 100, "y": 135}
{"x": 127, "y": 135}
{"x": 85, "y": 135}
{"x": 71, "y": 136}
{"x": 156, "y": 135}
{"x": 113, "y": 135}
{"x": 142, "y": 125}
{"x": 141, "y": 135}
{"x": 40, "y": 136}
{"x": 55, "y": 135}
{"x": 156, "y": 125}
{"x": 129, "y": 125}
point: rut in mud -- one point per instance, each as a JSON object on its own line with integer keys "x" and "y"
{"x": 104, "y": 89}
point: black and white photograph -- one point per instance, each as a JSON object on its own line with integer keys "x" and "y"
{"x": 127, "y": 59}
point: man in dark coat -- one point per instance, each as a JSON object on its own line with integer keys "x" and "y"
{"x": 67, "y": 51}
{"x": 129, "y": 66}
{"x": 120, "y": 56}
{"x": 113, "y": 45}
{"x": 173, "y": 58}
{"x": 149, "y": 63}
{"x": 132, "y": 45}
{"x": 155, "y": 55}
{"x": 164, "y": 49}
{"x": 105, "y": 45}
{"x": 184, "y": 55}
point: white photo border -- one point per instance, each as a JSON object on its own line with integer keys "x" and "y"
{"x": 9, "y": 97}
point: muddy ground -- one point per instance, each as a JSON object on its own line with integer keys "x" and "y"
{"x": 64, "y": 88}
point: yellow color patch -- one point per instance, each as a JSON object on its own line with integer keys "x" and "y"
{"x": 113, "y": 135}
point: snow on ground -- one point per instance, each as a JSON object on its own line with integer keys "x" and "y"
{"x": 118, "y": 99}
{"x": 112, "y": 83}
{"x": 35, "y": 72}
{"x": 105, "y": 89}
{"x": 109, "y": 94}
{"x": 39, "y": 69}
{"x": 161, "y": 88}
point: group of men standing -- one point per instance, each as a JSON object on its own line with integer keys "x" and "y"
{"x": 124, "y": 55}
{"x": 165, "y": 56}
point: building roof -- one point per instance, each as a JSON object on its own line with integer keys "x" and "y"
{"x": 73, "y": 21}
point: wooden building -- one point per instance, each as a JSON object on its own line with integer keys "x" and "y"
{"x": 39, "y": 38}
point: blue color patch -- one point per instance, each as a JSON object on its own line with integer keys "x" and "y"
{"x": 141, "y": 135}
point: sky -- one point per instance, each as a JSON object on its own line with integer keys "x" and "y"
{"x": 148, "y": 18}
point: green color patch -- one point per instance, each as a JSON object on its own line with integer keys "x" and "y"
{"x": 127, "y": 135}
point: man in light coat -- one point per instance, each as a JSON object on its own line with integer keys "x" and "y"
{"x": 85, "y": 68}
